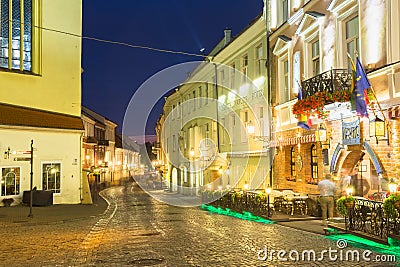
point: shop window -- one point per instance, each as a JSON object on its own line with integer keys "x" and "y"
{"x": 10, "y": 181}
{"x": 51, "y": 177}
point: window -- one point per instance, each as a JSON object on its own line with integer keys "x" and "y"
{"x": 232, "y": 76}
{"x": 285, "y": 10}
{"x": 245, "y": 64}
{"x": 200, "y": 95}
{"x": 16, "y": 49}
{"x": 222, "y": 129}
{"x": 10, "y": 180}
{"x": 315, "y": 57}
{"x": 207, "y": 96}
{"x": 173, "y": 143}
{"x": 194, "y": 100}
{"x": 293, "y": 162}
{"x": 51, "y": 177}
{"x": 259, "y": 61}
{"x": 285, "y": 93}
{"x": 352, "y": 38}
{"x": 314, "y": 164}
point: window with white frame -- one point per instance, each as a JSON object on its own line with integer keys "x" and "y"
{"x": 352, "y": 38}
{"x": 206, "y": 94}
{"x": 232, "y": 76}
{"x": 315, "y": 58}
{"x": 284, "y": 83}
{"x": 51, "y": 177}
{"x": 281, "y": 51}
{"x": 174, "y": 143}
{"x": 245, "y": 65}
{"x": 10, "y": 181}
{"x": 346, "y": 12}
{"x": 200, "y": 101}
{"x": 245, "y": 120}
{"x": 194, "y": 100}
{"x": 222, "y": 131}
{"x": 259, "y": 61}
{"x": 16, "y": 34}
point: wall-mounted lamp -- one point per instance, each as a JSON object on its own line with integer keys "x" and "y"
{"x": 377, "y": 128}
{"x": 321, "y": 135}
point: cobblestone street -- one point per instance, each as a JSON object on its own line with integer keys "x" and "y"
{"x": 137, "y": 230}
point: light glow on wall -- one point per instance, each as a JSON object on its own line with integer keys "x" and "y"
{"x": 259, "y": 81}
{"x": 374, "y": 19}
{"x": 274, "y": 14}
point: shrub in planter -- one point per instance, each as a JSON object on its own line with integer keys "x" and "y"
{"x": 345, "y": 203}
{"x": 391, "y": 205}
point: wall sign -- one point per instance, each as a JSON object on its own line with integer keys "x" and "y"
{"x": 351, "y": 133}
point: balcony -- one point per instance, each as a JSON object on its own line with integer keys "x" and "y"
{"x": 329, "y": 81}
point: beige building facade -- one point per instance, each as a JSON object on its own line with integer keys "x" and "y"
{"x": 311, "y": 43}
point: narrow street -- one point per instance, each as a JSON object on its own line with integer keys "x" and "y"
{"x": 137, "y": 230}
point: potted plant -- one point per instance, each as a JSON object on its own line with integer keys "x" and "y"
{"x": 260, "y": 197}
{"x": 7, "y": 201}
{"x": 344, "y": 204}
{"x": 391, "y": 205}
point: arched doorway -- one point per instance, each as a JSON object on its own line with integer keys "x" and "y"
{"x": 357, "y": 168}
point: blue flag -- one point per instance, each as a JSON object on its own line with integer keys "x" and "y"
{"x": 359, "y": 83}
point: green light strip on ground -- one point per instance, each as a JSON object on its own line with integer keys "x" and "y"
{"x": 244, "y": 216}
{"x": 363, "y": 243}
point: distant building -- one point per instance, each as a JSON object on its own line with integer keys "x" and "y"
{"x": 106, "y": 159}
{"x": 40, "y": 73}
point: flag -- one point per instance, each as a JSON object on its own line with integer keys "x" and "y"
{"x": 359, "y": 86}
{"x": 304, "y": 120}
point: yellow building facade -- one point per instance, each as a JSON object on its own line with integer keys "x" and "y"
{"x": 40, "y": 98}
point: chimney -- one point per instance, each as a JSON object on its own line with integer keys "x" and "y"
{"x": 228, "y": 36}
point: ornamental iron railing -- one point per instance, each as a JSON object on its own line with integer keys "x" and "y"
{"x": 368, "y": 217}
{"x": 330, "y": 81}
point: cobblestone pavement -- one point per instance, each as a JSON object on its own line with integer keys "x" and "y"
{"x": 137, "y": 230}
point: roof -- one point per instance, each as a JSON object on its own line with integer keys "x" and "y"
{"x": 23, "y": 116}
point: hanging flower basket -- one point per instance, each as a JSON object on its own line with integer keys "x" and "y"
{"x": 314, "y": 105}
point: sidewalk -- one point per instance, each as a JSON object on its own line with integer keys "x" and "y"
{"x": 51, "y": 214}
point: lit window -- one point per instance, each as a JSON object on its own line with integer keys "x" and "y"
{"x": 259, "y": 61}
{"x": 16, "y": 49}
{"x": 245, "y": 64}
{"x": 314, "y": 163}
{"x": 352, "y": 38}
{"x": 293, "y": 162}
{"x": 315, "y": 57}
{"x": 10, "y": 181}
{"x": 51, "y": 177}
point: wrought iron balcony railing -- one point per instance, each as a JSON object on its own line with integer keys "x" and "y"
{"x": 330, "y": 81}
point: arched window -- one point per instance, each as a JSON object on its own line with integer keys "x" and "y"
{"x": 314, "y": 164}
{"x": 293, "y": 162}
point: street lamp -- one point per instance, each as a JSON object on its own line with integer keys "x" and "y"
{"x": 268, "y": 191}
{"x": 250, "y": 128}
{"x": 377, "y": 128}
{"x": 191, "y": 152}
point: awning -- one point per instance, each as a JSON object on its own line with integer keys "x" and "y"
{"x": 310, "y": 138}
{"x": 394, "y": 112}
